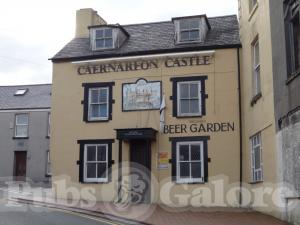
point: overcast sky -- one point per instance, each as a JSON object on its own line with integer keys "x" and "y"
{"x": 32, "y": 31}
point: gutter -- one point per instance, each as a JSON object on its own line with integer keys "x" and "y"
{"x": 240, "y": 126}
{"x": 152, "y": 56}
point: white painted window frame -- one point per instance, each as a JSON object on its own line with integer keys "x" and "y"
{"x": 256, "y": 68}
{"x": 179, "y": 113}
{"x": 255, "y": 171}
{"x": 189, "y": 180}
{"x": 90, "y": 118}
{"x": 20, "y": 124}
{"x": 96, "y": 180}
{"x": 94, "y": 38}
{"x": 189, "y": 30}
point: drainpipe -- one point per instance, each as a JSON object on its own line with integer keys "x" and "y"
{"x": 240, "y": 127}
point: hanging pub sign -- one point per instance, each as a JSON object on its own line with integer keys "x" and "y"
{"x": 141, "y": 95}
{"x": 143, "y": 65}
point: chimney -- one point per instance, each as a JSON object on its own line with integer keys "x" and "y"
{"x": 85, "y": 18}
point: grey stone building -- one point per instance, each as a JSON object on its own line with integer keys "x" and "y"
{"x": 25, "y": 132}
{"x": 285, "y": 32}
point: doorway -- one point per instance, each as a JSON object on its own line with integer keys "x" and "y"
{"x": 140, "y": 171}
{"x": 20, "y": 166}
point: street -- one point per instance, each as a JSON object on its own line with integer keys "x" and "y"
{"x": 12, "y": 213}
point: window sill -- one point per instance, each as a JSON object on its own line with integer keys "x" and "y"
{"x": 189, "y": 116}
{"x": 16, "y": 138}
{"x": 255, "y": 99}
{"x": 48, "y": 175}
{"x": 253, "y": 10}
{"x": 292, "y": 77}
{"x": 97, "y": 121}
{"x": 256, "y": 182}
{"x": 94, "y": 182}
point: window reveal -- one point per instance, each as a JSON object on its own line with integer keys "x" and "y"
{"x": 21, "y": 125}
{"x": 256, "y": 68}
{"x": 96, "y": 163}
{"x": 98, "y": 103}
{"x": 256, "y": 158}
{"x": 189, "y": 98}
{"x": 190, "y": 165}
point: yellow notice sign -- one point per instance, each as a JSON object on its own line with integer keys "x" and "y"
{"x": 163, "y": 160}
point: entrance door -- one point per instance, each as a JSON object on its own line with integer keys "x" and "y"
{"x": 140, "y": 159}
{"x": 20, "y": 166}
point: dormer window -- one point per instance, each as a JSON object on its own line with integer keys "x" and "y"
{"x": 105, "y": 37}
{"x": 190, "y": 29}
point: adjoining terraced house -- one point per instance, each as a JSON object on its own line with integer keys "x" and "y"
{"x": 110, "y": 84}
{"x": 25, "y": 133}
{"x": 271, "y": 98}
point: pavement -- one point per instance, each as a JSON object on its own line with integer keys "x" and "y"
{"x": 110, "y": 213}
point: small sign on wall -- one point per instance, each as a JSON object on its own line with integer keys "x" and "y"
{"x": 163, "y": 160}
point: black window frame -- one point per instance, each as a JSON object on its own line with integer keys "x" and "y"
{"x": 174, "y": 97}
{"x": 291, "y": 13}
{"x": 173, "y": 161}
{"x": 81, "y": 161}
{"x": 85, "y": 102}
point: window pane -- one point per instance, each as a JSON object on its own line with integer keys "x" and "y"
{"x": 22, "y": 119}
{"x": 101, "y": 170}
{"x": 194, "y": 35}
{"x": 103, "y": 110}
{"x": 94, "y": 96}
{"x": 195, "y": 152}
{"x": 184, "y": 106}
{"x": 103, "y": 95}
{"x": 108, "y": 43}
{"x": 256, "y": 53}
{"x": 91, "y": 170}
{"x": 184, "y": 24}
{"x": 95, "y": 111}
{"x": 196, "y": 169}
{"x": 99, "y": 33}
{"x": 258, "y": 86}
{"x": 21, "y": 131}
{"x": 184, "y": 170}
{"x": 257, "y": 157}
{"x": 108, "y": 32}
{"x": 184, "y": 90}
{"x": 91, "y": 153}
{"x": 194, "y": 24}
{"x": 101, "y": 153}
{"x": 100, "y": 43}
{"x": 194, "y": 106}
{"x": 184, "y": 153}
{"x": 194, "y": 90}
{"x": 184, "y": 35}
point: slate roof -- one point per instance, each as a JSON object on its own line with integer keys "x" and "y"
{"x": 158, "y": 37}
{"x": 37, "y": 97}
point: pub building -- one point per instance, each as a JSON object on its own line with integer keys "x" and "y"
{"x": 164, "y": 95}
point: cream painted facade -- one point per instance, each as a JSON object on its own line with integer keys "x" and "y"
{"x": 258, "y": 117}
{"x": 221, "y": 107}
{"x": 221, "y": 104}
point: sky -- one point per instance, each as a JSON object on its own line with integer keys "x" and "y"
{"x": 32, "y": 31}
